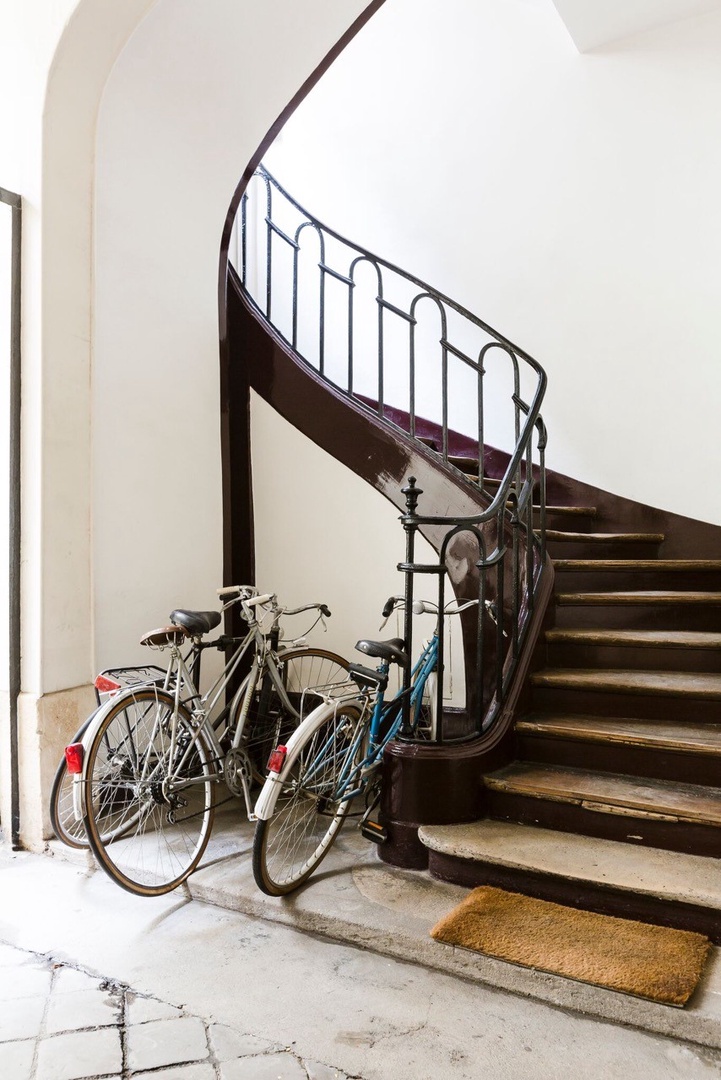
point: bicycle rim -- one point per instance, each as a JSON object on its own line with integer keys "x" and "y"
{"x": 309, "y": 813}
{"x": 149, "y": 802}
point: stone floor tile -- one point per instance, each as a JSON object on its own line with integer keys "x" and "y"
{"x": 166, "y": 1042}
{"x": 68, "y": 980}
{"x": 21, "y": 1019}
{"x": 202, "y": 1071}
{"x": 79, "y": 1054}
{"x": 82, "y": 1009}
{"x": 139, "y": 1010}
{"x": 316, "y": 1071}
{"x": 24, "y": 980}
{"x": 12, "y": 957}
{"x": 268, "y": 1067}
{"x": 227, "y": 1043}
{"x": 16, "y": 1059}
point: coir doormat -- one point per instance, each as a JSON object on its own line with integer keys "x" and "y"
{"x": 636, "y": 958}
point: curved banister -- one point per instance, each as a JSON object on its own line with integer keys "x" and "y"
{"x": 270, "y": 225}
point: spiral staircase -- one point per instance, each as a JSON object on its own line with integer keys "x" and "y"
{"x": 585, "y": 764}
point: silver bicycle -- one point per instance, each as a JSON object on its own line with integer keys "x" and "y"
{"x": 146, "y": 771}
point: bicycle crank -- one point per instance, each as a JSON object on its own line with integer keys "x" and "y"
{"x": 237, "y": 773}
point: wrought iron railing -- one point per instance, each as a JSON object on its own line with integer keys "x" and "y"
{"x": 434, "y": 371}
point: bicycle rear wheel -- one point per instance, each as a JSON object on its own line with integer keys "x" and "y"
{"x": 68, "y": 828}
{"x": 270, "y": 721}
{"x": 310, "y": 809}
{"x": 149, "y": 793}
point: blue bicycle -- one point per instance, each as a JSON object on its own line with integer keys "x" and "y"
{"x": 334, "y": 756}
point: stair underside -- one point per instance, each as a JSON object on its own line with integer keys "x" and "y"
{"x": 702, "y": 685}
{"x": 652, "y": 734}
{"x": 604, "y": 792}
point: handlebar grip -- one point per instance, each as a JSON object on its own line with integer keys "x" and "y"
{"x": 262, "y": 599}
{"x": 388, "y": 607}
{"x": 325, "y": 611}
{"x": 230, "y": 590}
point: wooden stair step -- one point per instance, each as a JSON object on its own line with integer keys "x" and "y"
{"x": 604, "y": 538}
{"x": 680, "y": 736}
{"x": 637, "y": 565}
{"x": 611, "y": 793}
{"x": 672, "y": 876}
{"x": 660, "y": 639}
{"x": 691, "y": 684}
{"x": 571, "y": 511}
{"x": 640, "y": 597}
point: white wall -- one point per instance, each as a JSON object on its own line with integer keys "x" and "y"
{"x": 570, "y": 200}
{"x": 187, "y": 103}
{"x": 324, "y": 535}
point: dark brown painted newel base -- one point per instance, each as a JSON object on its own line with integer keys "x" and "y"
{"x": 428, "y": 785}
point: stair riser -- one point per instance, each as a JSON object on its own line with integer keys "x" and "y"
{"x": 643, "y": 658}
{"x": 582, "y": 549}
{"x": 624, "y": 580}
{"x": 687, "y": 768}
{"x": 692, "y": 838}
{"x": 639, "y": 616}
{"x": 587, "y": 896}
{"x": 581, "y": 701}
{"x": 565, "y": 522}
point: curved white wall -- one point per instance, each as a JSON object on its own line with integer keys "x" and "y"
{"x": 188, "y": 102}
{"x": 571, "y": 200}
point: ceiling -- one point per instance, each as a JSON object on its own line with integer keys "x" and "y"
{"x": 592, "y": 23}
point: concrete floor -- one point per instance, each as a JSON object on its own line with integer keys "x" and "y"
{"x": 310, "y": 1006}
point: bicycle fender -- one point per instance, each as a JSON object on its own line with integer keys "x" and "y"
{"x": 81, "y": 780}
{"x": 265, "y": 806}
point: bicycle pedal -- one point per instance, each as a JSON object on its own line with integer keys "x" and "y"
{"x": 373, "y": 830}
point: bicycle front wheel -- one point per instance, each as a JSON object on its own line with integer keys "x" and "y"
{"x": 149, "y": 793}
{"x": 313, "y": 803}
{"x": 303, "y": 673}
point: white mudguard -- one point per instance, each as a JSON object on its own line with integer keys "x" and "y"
{"x": 265, "y": 806}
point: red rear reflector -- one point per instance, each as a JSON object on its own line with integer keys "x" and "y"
{"x": 74, "y": 757}
{"x": 276, "y": 759}
{"x": 105, "y": 685}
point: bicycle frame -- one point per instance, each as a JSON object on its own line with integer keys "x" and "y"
{"x": 354, "y": 773}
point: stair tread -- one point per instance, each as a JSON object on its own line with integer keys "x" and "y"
{"x": 581, "y": 511}
{"x": 682, "y": 802}
{"x": 672, "y": 639}
{"x": 681, "y": 736}
{"x": 641, "y": 596}
{"x": 669, "y": 875}
{"x": 605, "y": 538}
{"x": 637, "y": 565}
{"x": 688, "y": 683}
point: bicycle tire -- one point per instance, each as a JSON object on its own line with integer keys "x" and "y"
{"x": 270, "y": 722}
{"x": 148, "y": 818}
{"x": 308, "y": 815}
{"x": 67, "y": 828}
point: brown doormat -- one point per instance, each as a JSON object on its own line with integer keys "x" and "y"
{"x": 636, "y": 958}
